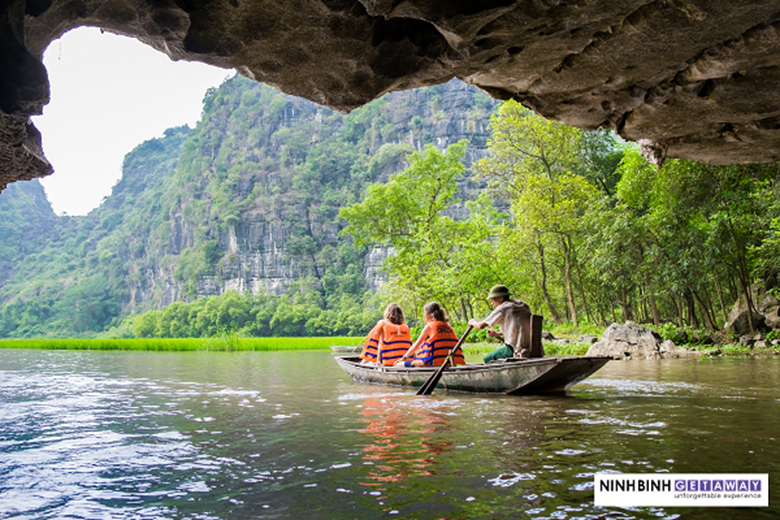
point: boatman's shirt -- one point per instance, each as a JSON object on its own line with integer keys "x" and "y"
{"x": 507, "y": 317}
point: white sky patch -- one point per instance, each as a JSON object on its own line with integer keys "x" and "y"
{"x": 110, "y": 93}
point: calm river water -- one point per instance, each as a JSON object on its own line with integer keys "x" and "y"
{"x": 135, "y": 435}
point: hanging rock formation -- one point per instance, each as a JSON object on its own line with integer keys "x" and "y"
{"x": 686, "y": 78}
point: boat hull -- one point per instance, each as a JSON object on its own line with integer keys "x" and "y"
{"x": 512, "y": 376}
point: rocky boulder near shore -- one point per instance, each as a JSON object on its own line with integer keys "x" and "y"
{"x": 767, "y": 316}
{"x": 632, "y": 341}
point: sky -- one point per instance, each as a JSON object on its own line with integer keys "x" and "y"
{"x": 109, "y": 94}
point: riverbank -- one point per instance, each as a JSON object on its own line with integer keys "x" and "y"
{"x": 224, "y": 344}
{"x": 581, "y": 349}
{"x": 230, "y": 344}
{"x": 233, "y": 344}
{"x": 739, "y": 350}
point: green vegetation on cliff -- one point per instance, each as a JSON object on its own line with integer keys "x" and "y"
{"x": 248, "y": 200}
{"x": 77, "y": 278}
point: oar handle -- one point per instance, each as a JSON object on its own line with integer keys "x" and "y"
{"x": 457, "y": 345}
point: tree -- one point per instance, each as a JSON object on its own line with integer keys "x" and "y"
{"x": 697, "y": 221}
{"x": 534, "y": 164}
{"x": 433, "y": 253}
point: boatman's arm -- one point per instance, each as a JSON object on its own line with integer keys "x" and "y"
{"x": 477, "y": 324}
{"x": 494, "y": 318}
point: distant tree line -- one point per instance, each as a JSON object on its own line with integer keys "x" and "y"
{"x": 299, "y": 313}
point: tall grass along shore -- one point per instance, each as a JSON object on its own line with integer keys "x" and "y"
{"x": 230, "y": 344}
{"x": 225, "y": 344}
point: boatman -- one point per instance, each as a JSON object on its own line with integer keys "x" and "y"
{"x": 508, "y": 314}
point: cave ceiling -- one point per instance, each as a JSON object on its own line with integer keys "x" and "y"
{"x": 690, "y": 79}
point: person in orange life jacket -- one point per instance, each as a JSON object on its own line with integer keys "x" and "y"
{"x": 507, "y": 313}
{"x": 435, "y": 342}
{"x": 389, "y": 338}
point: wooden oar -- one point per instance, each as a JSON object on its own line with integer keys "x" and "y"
{"x": 430, "y": 384}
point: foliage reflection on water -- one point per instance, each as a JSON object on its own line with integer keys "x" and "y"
{"x": 287, "y": 435}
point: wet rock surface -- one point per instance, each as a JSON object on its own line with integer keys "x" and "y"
{"x": 690, "y": 79}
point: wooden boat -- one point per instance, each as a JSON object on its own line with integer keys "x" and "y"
{"x": 346, "y": 349}
{"x": 510, "y": 376}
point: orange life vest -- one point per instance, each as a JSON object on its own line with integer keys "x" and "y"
{"x": 441, "y": 339}
{"x": 394, "y": 343}
{"x": 371, "y": 348}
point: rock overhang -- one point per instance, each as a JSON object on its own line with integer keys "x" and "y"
{"x": 690, "y": 79}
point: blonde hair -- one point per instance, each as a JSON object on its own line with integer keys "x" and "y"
{"x": 394, "y": 314}
{"x": 435, "y": 311}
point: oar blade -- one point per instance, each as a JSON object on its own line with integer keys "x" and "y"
{"x": 430, "y": 384}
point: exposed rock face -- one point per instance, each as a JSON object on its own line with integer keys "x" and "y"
{"x": 253, "y": 251}
{"x": 688, "y": 78}
{"x": 374, "y": 259}
{"x": 632, "y": 341}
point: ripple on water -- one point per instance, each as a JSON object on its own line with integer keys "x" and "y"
{"x": 510, "y": 479}
{"x": 632, "y": 387}
{"x": 92, "y": 440}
